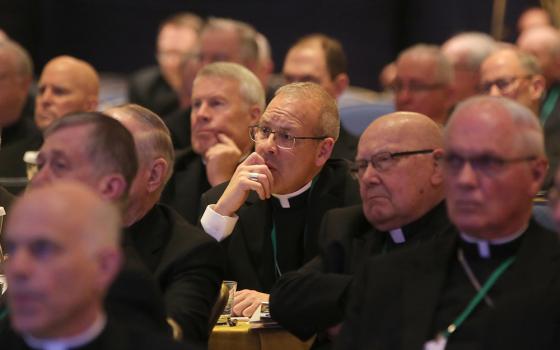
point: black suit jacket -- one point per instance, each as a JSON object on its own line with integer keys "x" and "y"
{"x": 179, "y": 124}
{"x": 114, "y": 336}
{"x": 346, "y": 145}
{"x": 246, "y": 248}
{"x": 149, "y": 89}
{"x": 395, "y": 297}
{"x": 186, "y": 263}
{"x": 314, "y": 298}
{"x": 186, "y": 186}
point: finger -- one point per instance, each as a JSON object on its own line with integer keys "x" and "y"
{"x": 247, "y": 307}
{"x": 255, "y": 186}
{"x": 253, "y": 158}
{"x": 250, "y": 310}
{"x": 226, "y": 140}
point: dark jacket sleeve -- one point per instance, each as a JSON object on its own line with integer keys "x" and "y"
{"x": 192, "y": 285}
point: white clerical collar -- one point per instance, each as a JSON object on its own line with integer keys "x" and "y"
{"x": 397, "y": 236}
{"x": 484, "y": 244}
{"x": 71, "y": 342}
{"x": 284, "y": 198}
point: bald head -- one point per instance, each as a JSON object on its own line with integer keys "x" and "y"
{"x": 544, "y": 44}
{"x": 63, "y": 243}
{"x": 532, "y": 18}
{"x": 16, "y": 75}
{"x": 409, "y": 128}
{"x": 404, "y": 181}
{"x": 514, "y": 74}
{"x": 76, "y": 207}
{"x": 66, "y": 85}
{"x": 423, "y": 82}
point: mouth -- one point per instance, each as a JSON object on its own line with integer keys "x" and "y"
{"x": 467, "y": 205}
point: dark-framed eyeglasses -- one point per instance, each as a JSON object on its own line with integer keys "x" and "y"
{"x": 486, "y": 164}
{"x": 382, "y": 161}
{"x": 281, "y": 138}
{"x": 503, "y": 84}
{"x": 415, "y": 86}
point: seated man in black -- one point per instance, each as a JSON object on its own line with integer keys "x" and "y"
{"x": 280, "y": 193}
{"x": 461, "y": 291}
{"x": 321, "y": 59}
{"x": 227, "y": 99}
{"x": 158, "y": 87}
{"x": 63, "y": 244}
{"x": 184, "y": 262}
{"x": 17, "y": 76}
{"x": 401, "y": 186}
{"x": 66, "y": 85}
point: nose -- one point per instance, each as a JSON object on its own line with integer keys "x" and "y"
{"x": 370, "y": 175}
{"x": 466, "y": 176}
{"x": 17, "y": 265}
{"x": 42, "y": 177}
{"x": 494, "y": 91}
{"x": 267, "y": 145}
{"x": 403, "y": 96}
{"x": 202, "y": 113}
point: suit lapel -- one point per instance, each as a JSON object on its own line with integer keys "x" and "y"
{"x": 423, "y": 283}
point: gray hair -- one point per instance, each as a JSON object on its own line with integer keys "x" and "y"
{"x": 530, "y": 135}
{"x": 476, "y": 46}
{"x": 154, "y": 140}
{"x": 22, "y": 59}
{"x": 329, "y": 120}
{"x": 444, "y": 70}
{"x": 246, "y": 33}
{"x": 250, "y": 87}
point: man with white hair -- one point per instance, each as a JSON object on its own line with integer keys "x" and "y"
{"x": 227, "y": 99}
{"x": 456, "y": 291}
{"x": 466, "y": 51}
{"x": 423, "y": 82}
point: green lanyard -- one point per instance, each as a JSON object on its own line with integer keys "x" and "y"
{"x": 273, "y": 234}
{"x": 477, "y": 298}
{"x": 549, "y": 104}
{"x": 3, "y": 313}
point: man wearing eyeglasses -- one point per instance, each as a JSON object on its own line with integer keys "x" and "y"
{"x": 267, "y": 217}
{"x": 459, "y": 291}
{"x": 423, "y": 82}
{"x": 401, "y": 186}
{"x": 516, "y": 74}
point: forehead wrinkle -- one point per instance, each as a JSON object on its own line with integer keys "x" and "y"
{"x": 282, "y": 117}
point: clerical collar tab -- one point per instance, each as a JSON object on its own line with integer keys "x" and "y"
{"x": 397, "y": 235}
{"x": 284, "y": 199}
{"x": 71, "y": 342}
{"x": 484, "y": 244}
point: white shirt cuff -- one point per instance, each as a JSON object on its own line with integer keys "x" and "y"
{"x": 217, "y": 225}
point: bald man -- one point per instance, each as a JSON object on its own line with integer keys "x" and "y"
{"x": 423, "y": 82}
{"x": 417, "y": 299}
{"x": 401, "y": 186}
{"x": 66, "y": 85}
{"x": 16, "y": 76}
{"x": 516, "y": 74}
{"x": 533, "y": 17}
{"x": 63, "y": 242}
